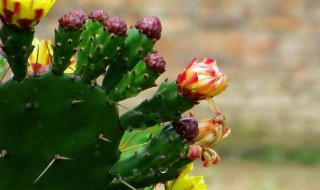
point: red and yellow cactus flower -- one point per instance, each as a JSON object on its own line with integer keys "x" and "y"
{"x": 211, "y": 132}
{"x": 202, "y": 80}
{"x": 39, "y": 60}
{"x": 186, "y": 182}
{"x": 24, "y": 13}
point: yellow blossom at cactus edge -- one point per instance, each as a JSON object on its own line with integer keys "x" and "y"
{"x": 24, "y": 13}
{"x": 39, "y": 60}
{"x": 186, "y": 182}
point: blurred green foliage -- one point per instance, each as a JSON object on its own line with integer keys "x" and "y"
{"x": 273, "y": 154}
{"x": 2, "y": 65}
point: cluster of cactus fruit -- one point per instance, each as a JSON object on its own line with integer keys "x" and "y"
{"x": 63, "y": 131}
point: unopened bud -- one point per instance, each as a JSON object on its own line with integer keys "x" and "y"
{"x": 155, "y": 62}
{"x": 116, "y": 26}
{"x": 187, "y": 128}
{"x": 99, "y": 15}
{"x": 150, "y": 26}
{"x": 73, "y": 20}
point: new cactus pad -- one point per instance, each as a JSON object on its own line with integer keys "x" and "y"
{"x": 63, "y": 131}
{"x": 139, "y": 42}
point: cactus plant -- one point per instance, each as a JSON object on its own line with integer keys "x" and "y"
{"x": 63, "y": 131}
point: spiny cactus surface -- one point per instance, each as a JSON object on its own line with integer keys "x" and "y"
{"x": 63, "y": 131}
{"x": 57, "y": 115}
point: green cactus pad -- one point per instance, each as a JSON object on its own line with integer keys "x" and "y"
{"x": 153, "y": 177}
{"x": 66, "y": 42}
{"x": 56, "y": 115}
{"x": 105, "y": 47}
{"x": 133, "y": 82}
{"x": 96, "y": 50}
{"x": 133, "y": 141}
{"x": 166, "y": 104}
{"x": 136, "y": 47}
{"x": 17, "y": 45}
{"x": 89, "y": 29}
{"x": 154, "y": 157}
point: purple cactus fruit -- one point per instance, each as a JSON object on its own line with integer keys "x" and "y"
{"x": 99, "y": 15}
{"x": 155, "y": 62}
{"x": 187, "y": 128}
{"x": 150, "y": 26}
{"x": 116, "y": 26}
{"x": 73, "y": 20}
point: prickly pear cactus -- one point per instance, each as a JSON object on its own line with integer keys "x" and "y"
{"x": 62, "y": 130}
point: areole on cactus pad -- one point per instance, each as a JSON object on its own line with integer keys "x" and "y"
{"x": 63, "y": 131}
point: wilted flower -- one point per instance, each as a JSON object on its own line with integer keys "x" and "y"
{"x": 211, "y": 132}
{"x": 185, "y": 182}
{"x": 195, "y": 151}
{"x": 207, "y": 155}
{"x": 24, "y": 13}
{"x": 202, "y": 80}
{"x": 39, "y": 60}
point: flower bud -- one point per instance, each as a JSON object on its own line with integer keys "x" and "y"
{"x": 116, "y": 26}
{"x": 99, "y": 15}
{"x": 155, "y": 62}
{"x": 187, "y": 128}
{"x": 202, "y": 80}
{"x": 73, "y": 20}
{"x": 150, "y": 26}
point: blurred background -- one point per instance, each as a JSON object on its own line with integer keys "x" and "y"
{"x": 270, "y": 50}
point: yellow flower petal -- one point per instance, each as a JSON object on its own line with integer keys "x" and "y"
{"x": 184, "y": 182}
{"x": 39, "y": 60}
{"x": 24, "y": 13}
{"x": 71, "y": 67}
